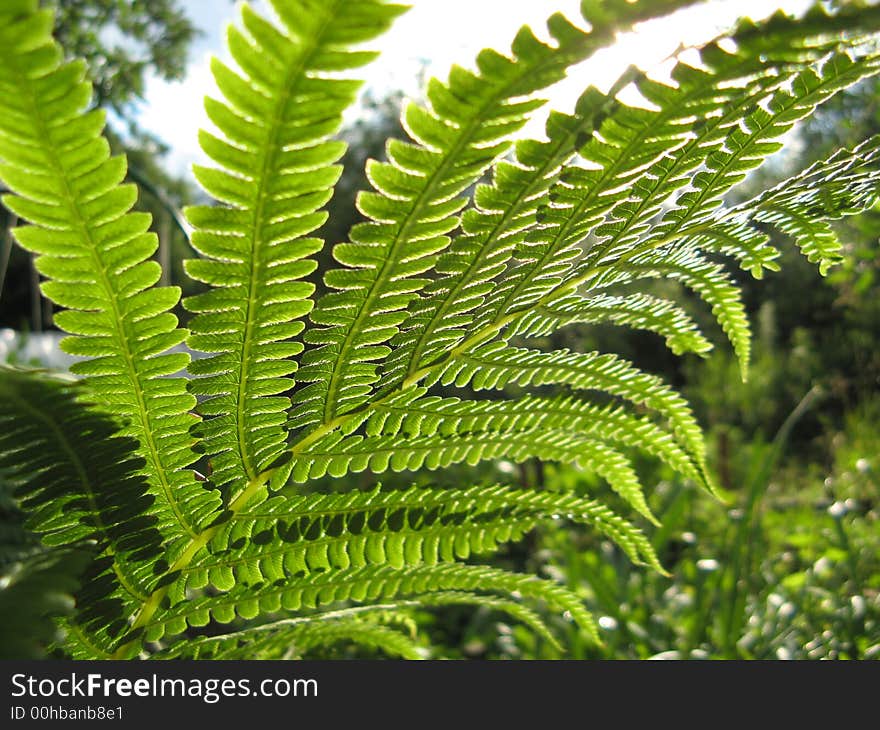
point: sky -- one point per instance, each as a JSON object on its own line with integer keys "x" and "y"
{"x": 435, "y": 34}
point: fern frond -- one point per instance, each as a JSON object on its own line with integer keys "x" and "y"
{"x": 783, "y": 36}
{"x": 294, "y": 638}
{"x": 275, "y": 172}
{"x": 336, "y": 456}
{"x": 412, "y": 415}
{"x": 393, "y": 642}
{"x": 95, "y": 254}
{"x": 287, "y": 536}
{"x": 492, "y": 230}
{"x": 633, "y": 139}
{"x": 365, "y": 633}
{"x": 756, "y": 138}
{"x": 515, "y": 609}
{"x": 701, "y": 121}
{"x": 416, "y": 201}
{"x": 412, "y": 213}
{"x": 496, "y": 365}
{"x": 371, "y": 583}
{"x": 296, "y": 635}
{"x": 709, "y": 281}
{"x": 640, "y": 311}
{"x": 843, "y": 185}
{"x": 694, "y": 216}
{"x": 429, "y": 296}
{"x": 749, "y": 247}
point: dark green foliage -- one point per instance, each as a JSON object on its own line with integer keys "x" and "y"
{"x": 38, "y": 589}
{"x": 389, "y": 368}
{"x": 77, "y": 482}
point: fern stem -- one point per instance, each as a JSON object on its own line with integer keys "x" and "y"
{"x": 152, "y": 603}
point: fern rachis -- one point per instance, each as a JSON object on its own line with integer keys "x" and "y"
{"x": 439, "y": 288}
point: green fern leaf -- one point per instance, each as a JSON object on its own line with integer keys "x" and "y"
{"x": 287, "y": 536}
{"x": 843, "y": 185}
{"x": 416, "y": 202}
{"x": 492, "y": 230}
{"x": 423, "y": 313}
{"x": 276, "y": 171}
{"x": 748, "y": 146}
{"x": 372, "y": 583}
{"x": 750, "y": 247}
{"x": 95, "y": 253}
{"x": 583, "y": 202}
{"x": 281, "y": 639}
{"x": 364, "y": 633}
{"x": 640, "y": 311}
{"x": 496, "y": 365}
{"x": 711, "y": 283}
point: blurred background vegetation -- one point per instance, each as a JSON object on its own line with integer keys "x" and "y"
{"x": 789, "y": 568}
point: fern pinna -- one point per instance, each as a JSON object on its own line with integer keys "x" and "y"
{"x": 476, "y": 241}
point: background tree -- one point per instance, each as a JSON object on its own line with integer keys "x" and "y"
{"x": 123, "y": 42}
